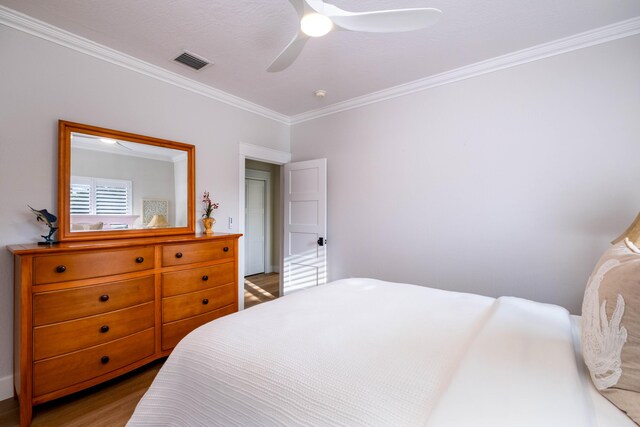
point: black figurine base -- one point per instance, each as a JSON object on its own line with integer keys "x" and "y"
{"x": 48, "y": 239}
{"x": 47, "y": 243}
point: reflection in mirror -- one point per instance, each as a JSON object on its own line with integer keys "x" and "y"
{"x": 117, "y": 184}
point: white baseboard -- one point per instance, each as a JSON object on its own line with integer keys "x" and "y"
{"x": 6, "y": 387}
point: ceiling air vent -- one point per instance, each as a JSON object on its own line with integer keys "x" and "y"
{"x": 192, "y": 61}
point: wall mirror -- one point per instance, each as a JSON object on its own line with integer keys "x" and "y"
{"x": 114, "y": 184}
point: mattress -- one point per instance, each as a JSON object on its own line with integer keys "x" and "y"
{"x": 368, "y": 352}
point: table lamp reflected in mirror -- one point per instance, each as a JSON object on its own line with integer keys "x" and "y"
{"x": 158, "y": 221}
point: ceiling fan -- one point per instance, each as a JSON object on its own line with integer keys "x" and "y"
{"x": 317, "y": 18}
{"x": 108, "y": 141}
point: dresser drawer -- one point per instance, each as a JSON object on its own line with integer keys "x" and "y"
{"x": 63, "y": 371}
{"x": 84, "y": 265}
{"x": 68, "y": 304}
{"x": 194, "y": 303}
{"x": 187, "y": 253}
{"x": 65, "y": 337}
{"x": 173, "y": 332}
{"x": 182, "y": 282}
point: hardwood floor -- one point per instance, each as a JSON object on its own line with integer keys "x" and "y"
{"x": 107, "y": 405}
{"x": 260, "y": 288}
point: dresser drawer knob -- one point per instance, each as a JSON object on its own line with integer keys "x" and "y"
{"x": 104, "y": 329}
{"x": 226, "y": 249}
{"x": 205, "y": 278}
{"x": 104, "y": 298}
{"x": 178, "y": 254}
{"x": 104, "y": 360}
{"x": 140, "y": 260}
{"x": 205, "y": 301}
{"x": 61, "y": 269}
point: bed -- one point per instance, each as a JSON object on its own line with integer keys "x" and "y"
{"x": 367, "y": 352}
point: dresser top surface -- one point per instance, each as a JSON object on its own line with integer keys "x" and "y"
{"x": 34, "y": 248}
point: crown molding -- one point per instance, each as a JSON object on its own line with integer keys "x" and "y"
{"x": 29, "y": 25}
{"x": 594, "y": 37}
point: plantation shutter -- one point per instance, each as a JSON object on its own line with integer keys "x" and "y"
{"x": 80, "y": 199}
{"x": 99, "y": 196}
{"x": 112, "y": 199}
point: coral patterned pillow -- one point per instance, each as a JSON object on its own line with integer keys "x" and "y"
{"x": 611, "y": 327}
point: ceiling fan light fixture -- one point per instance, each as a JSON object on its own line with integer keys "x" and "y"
{"x": 315, "y": 25}
{"x": 323, "y": 16}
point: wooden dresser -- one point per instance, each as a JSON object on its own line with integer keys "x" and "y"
{"x": 86, "y": 312}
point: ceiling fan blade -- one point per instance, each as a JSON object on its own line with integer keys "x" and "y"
{"x": 299, "y": 6}
{"x": 123, "y": 146}
{"x": 384, "y": 21}
{"x": 289, "y": 54}
{"x": 317, "y": 6}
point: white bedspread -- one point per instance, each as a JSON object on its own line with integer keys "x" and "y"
{"x": 366, "y": 352}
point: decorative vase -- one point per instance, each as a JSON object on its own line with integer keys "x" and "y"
{"x": 208, "y": 225}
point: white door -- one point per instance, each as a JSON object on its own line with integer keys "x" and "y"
{"x": 305, "y": 225}
{"x": 254, "y": 226}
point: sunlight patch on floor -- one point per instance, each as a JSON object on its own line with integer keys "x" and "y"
{"x": 258, "y": 289}
{"x": 261, "y": 288}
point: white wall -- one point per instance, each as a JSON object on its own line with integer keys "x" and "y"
{"x": 510, "y": 183}
{"x": 43, "y": 82}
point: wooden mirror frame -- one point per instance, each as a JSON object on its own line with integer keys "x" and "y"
{"x": 64, "y": 184}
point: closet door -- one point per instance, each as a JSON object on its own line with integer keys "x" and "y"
{"x": 255, "y": 218}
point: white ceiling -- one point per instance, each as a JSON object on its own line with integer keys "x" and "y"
{"x": 126, "y": 148}
{"x": 243, "y": 37}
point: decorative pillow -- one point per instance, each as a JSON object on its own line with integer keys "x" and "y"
{"x": 611, "y": 327}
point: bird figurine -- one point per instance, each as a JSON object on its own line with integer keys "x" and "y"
{"x": 48, "y": 218}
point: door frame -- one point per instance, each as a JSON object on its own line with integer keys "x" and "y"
{"x": 261, "y": 154}
{"x": 265, "y": 176}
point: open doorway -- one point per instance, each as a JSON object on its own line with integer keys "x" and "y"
{"x": 262, "y": 232}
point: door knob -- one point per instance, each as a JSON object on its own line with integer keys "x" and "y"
{"x": 322, "y": 241}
